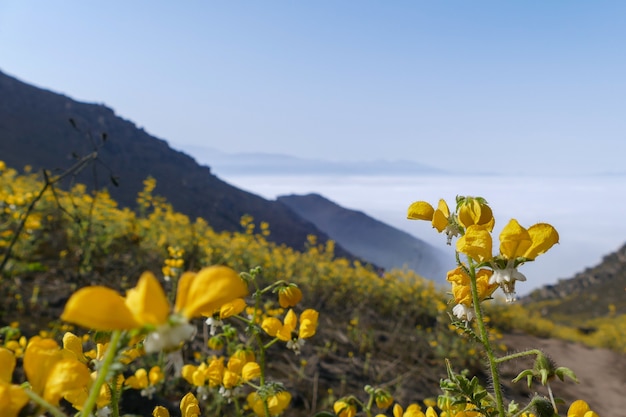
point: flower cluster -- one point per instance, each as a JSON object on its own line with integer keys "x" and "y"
{"x": 473, "y": 223}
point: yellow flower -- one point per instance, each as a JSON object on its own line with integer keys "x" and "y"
{"x": 143, "y": 379}
{"x": 580, "y": 408}
{"x": 276, "y": 403}
{"x": 461, "y": 290}
{"x": 12, "y": 397}
{"x": 383, "y": 399}
{"x": 440, "y": 218}
{"x": 232, "y": 308}
{"x": 74, "y": 344}
{"x": 53, "y": 372}
{"x": 420, "y": 210}
{"x": 517, "y": 245}
{"x": 413, "y": 410}
{"x": 289, "y": 295}
{"x": 286, "y": 331}
{"x": 146, "y": 305}
{"x": 189, "y": 406}
{"x": 160, "y": 411}
{"x": 250, "y": 371}
{"x": 344, "y": 408}
{"x": 474, "y": 211}
{"x": 476, "y": 243}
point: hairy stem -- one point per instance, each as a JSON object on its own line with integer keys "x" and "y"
{"x": 484, "y": 338}
{"x": 102, "y": 374}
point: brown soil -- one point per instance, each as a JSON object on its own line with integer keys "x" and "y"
{"x": 601, "y": 374}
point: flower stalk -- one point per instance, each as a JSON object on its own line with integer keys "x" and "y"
{"x": 103, "y": 372}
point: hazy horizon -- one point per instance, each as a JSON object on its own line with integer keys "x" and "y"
{"x": 578, "y": 207}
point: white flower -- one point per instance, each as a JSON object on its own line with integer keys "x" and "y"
{"x": 506, "y": 279}
{"x": 168, "y": 336}
{"x": 463, "y": 312}
{"x": 214, "y": 324}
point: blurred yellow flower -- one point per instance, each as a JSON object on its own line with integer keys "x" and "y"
{"x": 276, "y": 403}
{"x": 12, "y": 397}
{"x": 344, "y": 408}
{"x": 286, "y": 331}
{"x": 146, "y": 305}
{"x": 289, "y": 295}
{"x": 580, "y": 408}
{"x": 52, "y": 372}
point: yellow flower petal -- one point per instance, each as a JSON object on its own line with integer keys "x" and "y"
{"x": 250, "y": 371}
{"x": 189, "y": 406}
{"x": 209, "y": 289}
{"x": 476, "y": 243}
{"x": 12, "y": 399}
{"x": 420, "y": 210}
{"x": 66, "y": 376}
{"x": 147, "y": 301}
{"x": 232, "y": 308}
{"x": 543, "y": 237}
{"x": 139, "y": 380}
{"x": 578, "y": 409}
{"x": 184, "y": 282}
{"x": 308, "y": 323}
{"x": 514, "y": 240}
{"x": 74, "y": 344}
{"x": 441, "y": 216}
{"x": 271, "y": 325}
{"x": 99, "y": 308}
{"x": 278, "y": 403}
{"x": 160, "y": 411}
{"x": 7, "y": 365}
{"x": 474, "y": 212}
{"x": 289, "y": 296}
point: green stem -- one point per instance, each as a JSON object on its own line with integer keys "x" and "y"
{"x": 115, "y": 398}
{"x": 370, "y": 404}
{"x": 43, "y": 403}
{"x": 102, "y": 373}
{"x": 518, "y": 355}
{"x": 484, "y": 336}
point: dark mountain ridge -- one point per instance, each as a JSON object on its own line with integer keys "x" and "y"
{"x": 371, "y": 239}
{"x": 589, "y": 293}
{"x": 35, "y": 131}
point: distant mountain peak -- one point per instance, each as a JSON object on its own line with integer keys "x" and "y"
{"x": 262, "y": 163}
{"x": 370, "y": 239}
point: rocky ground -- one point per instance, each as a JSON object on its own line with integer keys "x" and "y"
{"x": 601, "y": 372}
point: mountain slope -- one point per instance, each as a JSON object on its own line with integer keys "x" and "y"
{"x": 35, "y": 130}
{"x": 588, "y": 294}
{"x": 369, "y": 238}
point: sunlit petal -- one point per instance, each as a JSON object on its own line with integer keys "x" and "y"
{"x": 476, "y": 243}
{"x": 271, "y": 325}
{"x": 66, "y": 376}
{"x": 308, "y": 323}
{"x": 99, "y": 308}
{"x": 543, "y": 237}
{"x": 420, "y": 210}
{"x": 441, "y": 216}
{"x": 147, "y": 301}
{"x": 209, "y": 289}
{"x": 514, "y": 240}
{"x": 12, "y": 399}
{"x": 7, "y": 365}
{"x": 184, "y": 282}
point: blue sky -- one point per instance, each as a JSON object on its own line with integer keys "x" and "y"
{"x": 518, "y": 87}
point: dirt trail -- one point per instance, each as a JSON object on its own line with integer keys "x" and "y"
{"x": 601, "y": 372}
